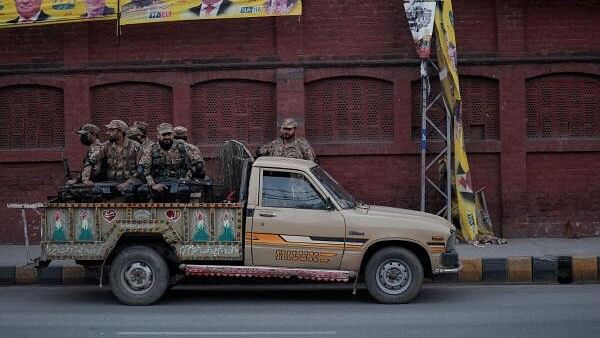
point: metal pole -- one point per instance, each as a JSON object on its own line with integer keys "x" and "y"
{"x": 25, "y": 232}
{"x": 424, "y": 90}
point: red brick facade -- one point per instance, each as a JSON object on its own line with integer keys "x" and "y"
{"x": 347, "y": 71}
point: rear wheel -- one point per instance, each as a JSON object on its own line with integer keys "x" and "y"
{"x": 394, "y": 275}
{"x": 139, "y": 276}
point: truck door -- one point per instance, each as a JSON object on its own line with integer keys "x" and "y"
{"x": 294, "y": 225}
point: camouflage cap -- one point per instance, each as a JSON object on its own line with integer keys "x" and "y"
{"x": 141, "y": 125}
{"x": 180, "y": 131}
{"x": 89, "y": 128}
{"x": 134, "y": 132}
{"x": 289, "y": 123}
{"x": 164, "y": 128}
{"x": 117, "y": 124}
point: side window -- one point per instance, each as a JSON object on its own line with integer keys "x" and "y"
{"x": 289, "y": 190}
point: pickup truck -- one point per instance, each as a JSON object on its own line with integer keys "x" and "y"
{"x": 292, "y": 220}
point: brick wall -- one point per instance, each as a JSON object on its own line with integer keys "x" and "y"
{"x": 347, "y": 72}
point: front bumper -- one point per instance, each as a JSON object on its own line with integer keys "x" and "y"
{"x": 450, "y": 263}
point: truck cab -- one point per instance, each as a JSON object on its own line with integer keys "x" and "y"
{"x": 299, "y": 216}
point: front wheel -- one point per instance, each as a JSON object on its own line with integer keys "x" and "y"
{"x": 139, "y": 276}
{"x": 394, "y": 275}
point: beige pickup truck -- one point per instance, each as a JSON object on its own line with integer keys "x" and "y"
{"x": 293, "y": 220}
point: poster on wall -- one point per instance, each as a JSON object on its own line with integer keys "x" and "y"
{"x": 420, "y": 15}
{"x": 148, "y": 11}
{"x": 19, "y": 13}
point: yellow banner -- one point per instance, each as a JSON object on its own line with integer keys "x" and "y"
{"x": 147, "y": 11}
{"x": 38, "y": 12}
{"x": 446, "y": 53}
{"x": 465, "y": 196}
{"x": 448, "y": 61}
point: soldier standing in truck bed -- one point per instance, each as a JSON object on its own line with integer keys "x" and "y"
{"x": 288, "y": 145}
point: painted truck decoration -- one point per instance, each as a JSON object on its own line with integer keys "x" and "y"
{"x": 294, "y": 220}
{"x": 196, "y": 231}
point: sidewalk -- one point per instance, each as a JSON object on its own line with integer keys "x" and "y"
{"x": 534, "y": 247}
{"x": 523, "y": 260}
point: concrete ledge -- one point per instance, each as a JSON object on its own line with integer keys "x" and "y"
{"x": 471, "y": 272}
{"x": 519, "y": 269}
{"x": 51, "y": 275}
{"x": 585, "y": 269}
{"x": 26, "y": 275}
{"x": 494, "y": 270}
{"x": 7, "y": 275}
{"x": 73, "y": 275}
{"x": 545, "y": 270}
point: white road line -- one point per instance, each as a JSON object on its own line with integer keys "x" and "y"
{"x": 233, "y": 333}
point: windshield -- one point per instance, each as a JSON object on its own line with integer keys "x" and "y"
{"x": 342, "y": 196}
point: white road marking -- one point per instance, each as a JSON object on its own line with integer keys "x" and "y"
{"x": 232, "y": 333}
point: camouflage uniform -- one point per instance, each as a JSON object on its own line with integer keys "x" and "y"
{"x": 171, "y": 168}
{"x": 147, "y": 144}
{"x": 172, "y": 164}
{"x": 121, "y": 161}
{"x": 296, "y": 148}
{"x": 91, "y": 169}
{"x": 180, "y": 133}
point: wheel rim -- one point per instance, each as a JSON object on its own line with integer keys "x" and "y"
{"x": 138, "y": 277}
{"x": 393, "y": 276}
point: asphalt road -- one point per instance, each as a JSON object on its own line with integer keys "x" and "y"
{"x": 304, "y": 311}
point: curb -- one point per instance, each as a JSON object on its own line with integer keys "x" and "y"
{"x": 510, "y": 270}
{"x": 526, "y": 270}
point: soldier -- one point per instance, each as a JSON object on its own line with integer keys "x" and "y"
{"x": 143, "y": 128}
{"x": 88, "y": 135}
{"x": 121, "y": 155}
{"x": 82, "y": 189}
{"x": 288, "y": 145}
{"x": 180, "y": 133}
{"x": 167, "y": 167}
{"x": 136, "y": 135}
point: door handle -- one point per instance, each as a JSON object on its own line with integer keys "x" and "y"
{"x": 267, "y": 214}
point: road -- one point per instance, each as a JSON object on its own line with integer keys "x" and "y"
{"x": 304, "y": 311}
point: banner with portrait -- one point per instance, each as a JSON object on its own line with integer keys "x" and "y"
{"x": 148, "y": 11}
{"x": 420, "y": 15}
{"x": 15, "y": 13}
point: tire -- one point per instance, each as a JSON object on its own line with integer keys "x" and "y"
{"x": 139, "y": 276}
{"x": 394, "y": 275}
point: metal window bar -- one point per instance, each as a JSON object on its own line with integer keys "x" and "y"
{"x": 427, "y": 124}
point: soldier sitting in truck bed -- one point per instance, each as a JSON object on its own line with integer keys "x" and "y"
{"x": 81, "y": 188}
{"x": 167, "y": 167}
{"x": 142, "y": 139}
{"x": 180, "y": 133}
{"x": 121, "y": 156}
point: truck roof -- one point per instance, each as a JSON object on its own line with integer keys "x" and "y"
{"x": 283, "y": 162}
